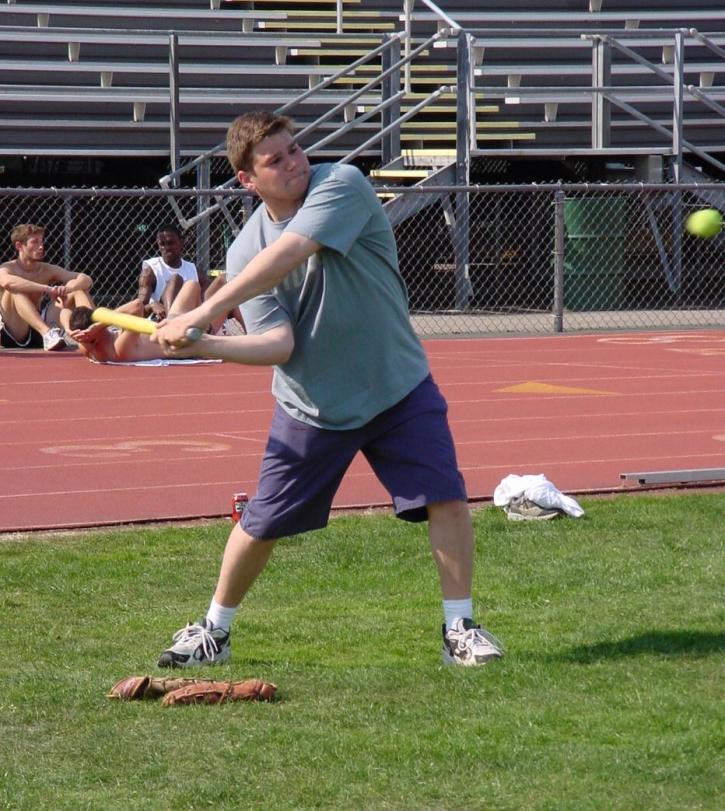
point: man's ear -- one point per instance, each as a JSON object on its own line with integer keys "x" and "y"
{"x": 247, "y": 180}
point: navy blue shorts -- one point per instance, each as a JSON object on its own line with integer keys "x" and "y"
{"x": 409, "y": 447}
{"x": 33, "y": 339}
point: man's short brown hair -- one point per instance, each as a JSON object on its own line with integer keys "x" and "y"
{"x": 80, "y": 317}
{"x": 23, "y": 232}
{"x": 248, "y": 131}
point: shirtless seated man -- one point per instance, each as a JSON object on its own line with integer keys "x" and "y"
{"x": 32, "y": 293}
{"x": 108, "y": 344}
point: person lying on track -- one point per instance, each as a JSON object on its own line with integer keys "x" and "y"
{"x": 111, "y": 345}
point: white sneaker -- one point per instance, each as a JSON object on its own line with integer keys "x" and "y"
{"x": 53, "y": 339}
{"x": 523, "y": 509}
{"x": 198, "y": 643}
{"x": 467, "y": 644}
{"x": 231, "y": 327}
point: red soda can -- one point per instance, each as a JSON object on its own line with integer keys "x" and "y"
{"x": 239, "y": 505}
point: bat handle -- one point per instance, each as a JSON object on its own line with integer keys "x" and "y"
{"x": 194, "y": 333}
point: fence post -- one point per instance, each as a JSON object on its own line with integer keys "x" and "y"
{"x": 67, "y": 231}
{"x": 462, "y": 228}
{"x": 203, "y": 181}
{"x": 558, "y": 307}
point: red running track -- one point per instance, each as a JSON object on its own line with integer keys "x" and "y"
{"x": 89, "y": 445}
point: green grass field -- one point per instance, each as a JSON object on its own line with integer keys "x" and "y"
{"x": 609, "y": 697}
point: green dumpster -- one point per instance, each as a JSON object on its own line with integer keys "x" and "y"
{"x": 594, "y": 255}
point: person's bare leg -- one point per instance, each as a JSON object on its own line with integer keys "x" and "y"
{"x": 236, "y": 313}
{"x": 80, "y": 298}
{"x": 188, "y": 298}
{"x": 170, "y": 292}
{"x": 19, "y": 313}
{"x": 64, "y": 318}
{"x": 244, "y": 559}
{"x": 207, "y": 641}
{"x": 451, "y": 539}
{"x": 126, "y": 346}
{"x": 133, "y": 307}
{"x": 216, "y": 284}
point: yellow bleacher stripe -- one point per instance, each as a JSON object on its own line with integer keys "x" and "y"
{"x": 482, "y": 124}
{"x": 422, "y": 69}
{"x": 411, "y": 173}
{"x": 277, "y": 26}
{"x": 412, "y": 152}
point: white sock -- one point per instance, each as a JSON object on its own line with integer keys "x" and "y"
{"x": 220, "y": 615}
{"x": 457, "y": 609}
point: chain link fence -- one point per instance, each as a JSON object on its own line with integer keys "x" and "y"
{"x": 481, "y": 260}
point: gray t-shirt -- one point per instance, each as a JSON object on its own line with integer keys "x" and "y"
{"x": 355, "y": 353}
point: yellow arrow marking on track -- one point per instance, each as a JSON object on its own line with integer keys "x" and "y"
{"x": 533, "y": 387}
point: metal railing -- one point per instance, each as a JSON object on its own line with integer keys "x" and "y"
{"x": 602, "y": 90}
{"x": 391, "y": 89}
{"x": 387, "y": 83}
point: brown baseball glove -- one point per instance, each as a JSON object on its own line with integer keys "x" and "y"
{"x": 219, "y": 692}
{"x": 191, "y": 691}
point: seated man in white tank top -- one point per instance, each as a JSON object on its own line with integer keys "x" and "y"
{"x": 162, "y": 276}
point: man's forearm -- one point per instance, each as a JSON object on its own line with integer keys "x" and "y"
{"x": 16, "y": 284}
{"x": 269, "y": 349}
{"x": 146, "y": 286}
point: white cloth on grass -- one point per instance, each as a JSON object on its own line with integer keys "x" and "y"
{"x": 536, "y": 488}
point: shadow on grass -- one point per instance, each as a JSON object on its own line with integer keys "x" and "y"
{"x": 663, "y": 643}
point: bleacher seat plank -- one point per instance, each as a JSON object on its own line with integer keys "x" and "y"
{"x": 162, "y": 68}
{"x": 667, "y": 17}
{"x": 132, "y": 37}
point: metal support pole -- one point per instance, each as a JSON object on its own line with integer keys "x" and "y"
{"x": 675, "y": 277}
{"x": 601, "y": 107}
{"x": 462, "y": 230}
{"x": 558, "y": 306}
{"x": 247, "y": 207}
{"x": 408, "y": 12}
{"x": 677, "y": 141}
{"x": 67, "y": 229}
{"x": 390, "y": 145}
{"x": 677, "y": 105}
{"x": 174, "y": 135}
{"x": 464, "y": 81}
{"x": 203, "y": 181}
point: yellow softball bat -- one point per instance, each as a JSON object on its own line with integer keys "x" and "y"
{"x": 134, "y": 323}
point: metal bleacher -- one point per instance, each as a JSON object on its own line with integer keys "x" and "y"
{"x": 133, "y": 79}
{"x": 96, "y": 79}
